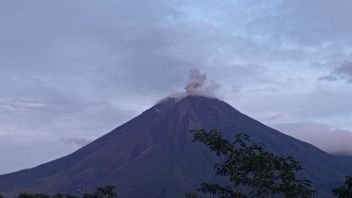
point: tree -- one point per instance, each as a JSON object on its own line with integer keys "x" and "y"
{"x": 191, "y": 195}
{"x": 32, "y": 195}
{"x": 1, "y": 196}
{"x": 41, "y": 195}
{"x": 344, "y": 191}
{"x": 252, "y": 171}
{"x": 102, "y": 192}
{"x": 59, "y": 195}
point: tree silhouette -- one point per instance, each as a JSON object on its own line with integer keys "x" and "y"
{"x": 191, "y": 195}
{"x": 102, "y": 192}
{"x": 344, "y": 191}
{"x": 59, "y": 195}
{"x": 252, "y": 171}
{"x": 33, "y": 195}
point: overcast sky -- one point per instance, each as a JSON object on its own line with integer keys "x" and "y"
{"x": 72, "y": 70}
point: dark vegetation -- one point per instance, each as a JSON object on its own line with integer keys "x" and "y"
{"x": 344, "y": 191}
{"x": 100, "y": 192}
{"x": 251, "y": 170}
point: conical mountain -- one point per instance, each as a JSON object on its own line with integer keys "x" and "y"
{"x": 153, "y": 154}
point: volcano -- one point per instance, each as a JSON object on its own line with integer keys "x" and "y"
{"x": 153, "y": 154}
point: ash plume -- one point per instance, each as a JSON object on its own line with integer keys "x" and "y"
{"x": 198, "y": 85}
{"x": 196, "y": 82}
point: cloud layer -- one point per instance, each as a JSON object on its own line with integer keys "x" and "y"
{"x": 335, "y": 141}
{"x": 77, "y": 69}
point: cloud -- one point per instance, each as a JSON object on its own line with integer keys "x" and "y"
{"x": 77, "y": 142}
{"x": 315, "y": 23}
{"x": 342, "y": 72}
{"x": 17, "y": 154}
{"x": 335, "y": 141}
{"x": 79, "y": 69}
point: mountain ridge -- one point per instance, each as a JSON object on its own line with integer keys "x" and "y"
{"x": 154, "y": 153}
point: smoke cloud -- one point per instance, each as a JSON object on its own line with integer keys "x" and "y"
{"x": 199, "y": 85}
{"x": 196, "y": 82}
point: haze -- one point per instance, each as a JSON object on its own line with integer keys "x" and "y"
{"x": 70, "y": 71}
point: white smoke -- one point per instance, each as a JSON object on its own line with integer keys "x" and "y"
{"x": 195, "y": 86}
{"x": 199, "y": 85}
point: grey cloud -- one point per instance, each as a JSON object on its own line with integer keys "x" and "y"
{"x": 236, "y": 88}
{"x": 345, "y": 68}
{"x": 286, "y": 23}
{"x": 336, "y": 141}
{"x": 330, "y": 78}
{"x": 321, "y": 104}
{"x": 77, "y": 69}
{"x": 17, "y": 154}
{"x": 342, "y": 72}
{"x": 317, "y": 22}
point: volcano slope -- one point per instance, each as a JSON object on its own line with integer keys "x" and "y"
{"x": 153, "y": 154}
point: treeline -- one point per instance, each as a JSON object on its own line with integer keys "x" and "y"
{"x": 251, "y": 170}
{"x": 100, "y": 192}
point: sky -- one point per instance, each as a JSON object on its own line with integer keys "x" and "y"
{"x": 72, "y": 70}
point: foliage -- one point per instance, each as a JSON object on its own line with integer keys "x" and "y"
{"x": 100, "y": 192}
{"x": 41, "y": 195}
{"x": 59, "y": 195}
{"x": 344, "y": 191}
{"x": 33, "y": 195}
{"x": 191, "y": 195}
{"x": 252, "y": 171}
